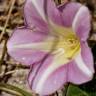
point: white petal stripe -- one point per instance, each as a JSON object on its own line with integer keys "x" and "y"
{"x": 40, "y": 10}
{"x": 82, "y": 66}
{"x": 81, "y": 11}
{"x": 52, "y": 67}
{"x": 44, "y": 77}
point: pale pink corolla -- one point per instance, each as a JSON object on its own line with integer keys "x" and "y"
{"x": 53, "y": 42}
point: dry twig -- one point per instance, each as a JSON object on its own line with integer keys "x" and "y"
{"x": 9, "y": 14}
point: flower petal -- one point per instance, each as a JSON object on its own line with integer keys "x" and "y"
{"x": 32, "y": 17}
{"x": 82, "y": 23}
{"x": 25, "y": 36}
{"x": 77, "y": 16}
{"x": 81, "y": 69}
{"x": 44, "y": 80}
{"x": 38, "y": 11}
{"x": 69, "y": 11}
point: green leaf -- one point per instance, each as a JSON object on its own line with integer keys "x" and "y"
{"x": 90, "y": 87}
{"x": 14, "y": 90}
{"x": 74, "y": 90}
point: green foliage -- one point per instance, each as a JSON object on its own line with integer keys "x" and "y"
{"x": 90, "y": 87}
{"x": 87, "y": 89}
{"x": 15, "y": 91}
{"x": 75, "y": 91}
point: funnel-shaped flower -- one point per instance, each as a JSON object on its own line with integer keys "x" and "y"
{"x": 53, "y": 42}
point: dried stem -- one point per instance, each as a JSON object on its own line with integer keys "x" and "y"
{"x": 7, "y": 30}
{"x": 9, "y": 14}
{"x": 3, "y": 53}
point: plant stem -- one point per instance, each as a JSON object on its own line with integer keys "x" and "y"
{"x": 8, "y": 17}
{"x": 64, "y": 91}
{"x": 7, "y": 30}
{"x": 13, "y": 90}
{"x": 3, "y": 53}
{"x": 10, "y": 91}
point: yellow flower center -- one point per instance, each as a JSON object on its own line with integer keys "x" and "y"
{"x": 67, "y": 41}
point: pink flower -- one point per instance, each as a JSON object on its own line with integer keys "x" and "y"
{"x": 53, "y": 43}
